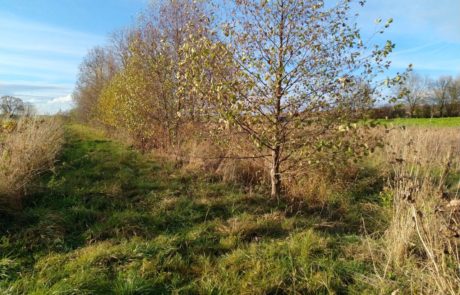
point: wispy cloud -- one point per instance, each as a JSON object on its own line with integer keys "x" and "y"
{"x": 48, "y": 98}
{"x": 39, "y": 62}
{"x": 27, "y": 86}
{"x": 420, "y": 19}
{"x": 31, "y": 62}
{"x": 440, "y": 58}
{"x": 426, "y": 33}
{"x": 24, "y": 35}
{"x": 61, "y": 99}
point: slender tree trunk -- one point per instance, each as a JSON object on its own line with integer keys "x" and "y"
{"x": 276, "y": 151}
{"x": 275, "y": 176}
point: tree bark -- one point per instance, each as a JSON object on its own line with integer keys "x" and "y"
{"x": 276, "y": 151}
{"x": 275, "y": 176}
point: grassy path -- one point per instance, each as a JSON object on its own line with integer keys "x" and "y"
{"x": 111, "y": 221}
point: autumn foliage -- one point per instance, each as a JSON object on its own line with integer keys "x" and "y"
{"x": 292, "y": 77}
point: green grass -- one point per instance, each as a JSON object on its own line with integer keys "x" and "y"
{"x": 424, "y": 122}
{"x": 109, "y": 220}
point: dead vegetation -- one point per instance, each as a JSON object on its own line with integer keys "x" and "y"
{"x": 419, "y": 252}
{"x": 28, "y": 146}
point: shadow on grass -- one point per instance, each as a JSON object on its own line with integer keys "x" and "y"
{"x": 144, "y": 228}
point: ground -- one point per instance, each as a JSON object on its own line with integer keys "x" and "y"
{"x": 109, "y": 220}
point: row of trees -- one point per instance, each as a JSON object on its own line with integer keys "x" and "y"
{"x": 425, "y": 97}
{"x": 293, "y": 77}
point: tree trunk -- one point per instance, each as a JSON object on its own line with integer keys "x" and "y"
{"x": 411, "y": 112}
{"x": 275, "y": 176}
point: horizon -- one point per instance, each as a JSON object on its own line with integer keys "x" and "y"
{"x": 42, "y": 43}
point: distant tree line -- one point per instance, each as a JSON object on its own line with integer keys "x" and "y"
{"x": 422, "y": 97}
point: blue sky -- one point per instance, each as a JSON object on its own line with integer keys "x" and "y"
{"x": 426, "y": 33}
{"x": 42, "y": 42}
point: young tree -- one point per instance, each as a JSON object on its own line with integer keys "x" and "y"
{"x": 294, "y": 65}
{"x": 11, "y": 106}
{"x": 453, "y": 107}
{"x": 120, "y": 41}
{"x": 440, "y": 89}
{"x": 413, "y": 91}
{"x": 96, "y": 71}
{"x": 145, "y": 97}
{"x": 138, "y": 98}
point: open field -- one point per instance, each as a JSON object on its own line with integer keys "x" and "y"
{"x": 423, "y": 122}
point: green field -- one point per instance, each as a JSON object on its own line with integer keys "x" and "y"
{"x": 109, "y": 220}
{"x": 423, "y": 122}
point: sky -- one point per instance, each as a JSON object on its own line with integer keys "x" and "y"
{"x": 42, "y": 42}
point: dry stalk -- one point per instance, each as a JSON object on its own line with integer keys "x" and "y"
{"x": 27, "y": 150}
{"x": 421, "y": 242}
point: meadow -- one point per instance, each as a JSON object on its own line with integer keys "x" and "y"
{"x": 222, "y": 147}
{"x": 110, "y": 220}
{"x": 423, "y": 122}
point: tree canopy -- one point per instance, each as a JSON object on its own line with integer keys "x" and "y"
{"x": 12, "y": 106}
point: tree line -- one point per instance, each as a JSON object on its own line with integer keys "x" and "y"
{"x": 291, "y": 78}
{"x": 423, "y": 97}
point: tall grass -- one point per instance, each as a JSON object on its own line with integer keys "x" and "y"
{"x": 233, "y": 164}
{"x": 419, "y": 252}
{"x": 28, "y": 147}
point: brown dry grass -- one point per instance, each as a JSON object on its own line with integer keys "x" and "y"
{"x": 25, "y": 151}
{"x": 420, "y": 249}
{"x": 231, "y": 163}
{"x": 233, "y": 158}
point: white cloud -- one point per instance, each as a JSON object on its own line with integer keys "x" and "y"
{"x": 36, "y": 91}
{"x": 48, "y": 98}
{"x": 29, "y": 48}
{"x": 61, "y": 99}
{"x": 31, "y": 63}
{"x": 54, "y": 105}
{"x": 39, "y": 62}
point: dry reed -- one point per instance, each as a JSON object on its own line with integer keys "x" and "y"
{"x": 25, "y": 151}
{"x": 421, "y": 244}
